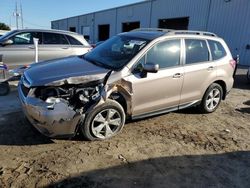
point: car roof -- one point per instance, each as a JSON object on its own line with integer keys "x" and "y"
{"x": 47, "y": 30}
{"x": 144, "y": 34}
{"x": 153, "y": 33}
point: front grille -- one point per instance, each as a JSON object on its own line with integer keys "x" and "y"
{"x": 25, "y": 90}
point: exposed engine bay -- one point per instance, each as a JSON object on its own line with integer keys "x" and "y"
{"x": 77, "y": 96}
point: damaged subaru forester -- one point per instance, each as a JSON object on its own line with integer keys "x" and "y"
{"x": 132, "y": 75}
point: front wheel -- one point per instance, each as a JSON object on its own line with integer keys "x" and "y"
{"x": 211, "y": 99}
{"x": 104, "y": 121}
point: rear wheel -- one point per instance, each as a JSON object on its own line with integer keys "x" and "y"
{"x": 105, "y": 121}
{"x": 211, "y": 99}
{"x": 4, "y": 88}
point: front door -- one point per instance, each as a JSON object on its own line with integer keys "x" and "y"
{"x": 161, "y": 90}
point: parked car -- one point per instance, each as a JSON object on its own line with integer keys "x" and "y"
{"x": 132, "y": 75}
{"x": 17, "y": 46}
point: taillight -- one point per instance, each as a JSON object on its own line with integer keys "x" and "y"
{"x": 232, "y": 63}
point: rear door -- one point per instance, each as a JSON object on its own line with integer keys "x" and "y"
{"x": 199, "y": 70}
{"x": 54, "y": 46}
{"x": 161, "y": 90}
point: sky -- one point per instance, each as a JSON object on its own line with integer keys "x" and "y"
{"x": 39, "y": 13}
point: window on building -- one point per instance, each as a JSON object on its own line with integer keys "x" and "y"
{"x": 72, "y": 29}
{"x": 196, "y": 51}
{"x": 217, "y": 50}
{"x": 174, "y": 23}
{"x": 128, "y": 26}
{"x": 103, "y": 32}
{"x": 85, "y": 31}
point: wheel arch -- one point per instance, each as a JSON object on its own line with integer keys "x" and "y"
{"x": 223, "y": 86}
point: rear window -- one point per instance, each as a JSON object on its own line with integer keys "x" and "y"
{"x": 196, "y": 51}
{"x": 217, "y": 50}
{"x": 73, "y": 41}
{"x": 54, "y": 38}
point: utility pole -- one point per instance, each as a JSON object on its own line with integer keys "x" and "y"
{"x": 21, "y": 11}
{"x": 16, "y": 14}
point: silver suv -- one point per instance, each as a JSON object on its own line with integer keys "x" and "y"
{"x": 132, "y": 75}
{"x": 17, "y": 47}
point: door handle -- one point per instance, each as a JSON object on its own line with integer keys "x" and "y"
{"x": 177, "y": 75}
{"x": 210, "y": 68}
{"x": 31, "y": 47}
{"x": 65, "y": 48}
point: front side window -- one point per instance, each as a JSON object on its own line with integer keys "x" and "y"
{"x": 54, "y": 38}
{"x": 116, "y": 52}
{"x": 217, "y": 50}
{"x": 22, "y": 38}
{"x": 166, "y": 54}
{"x": 196, "y": 51}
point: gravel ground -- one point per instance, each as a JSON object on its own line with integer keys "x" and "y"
{"x": 179, "y": 149}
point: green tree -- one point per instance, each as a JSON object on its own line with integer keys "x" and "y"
{"x": 3, "y": 26}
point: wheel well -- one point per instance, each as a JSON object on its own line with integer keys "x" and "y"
{"x": 118, "y": 97}
{"x": 224, "y": 88}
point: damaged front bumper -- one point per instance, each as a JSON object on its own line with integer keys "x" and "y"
{"x": 52, "y": 120}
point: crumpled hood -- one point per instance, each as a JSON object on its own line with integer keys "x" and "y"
{"x": 72, "y": 70}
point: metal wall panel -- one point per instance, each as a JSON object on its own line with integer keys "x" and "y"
{"x": 196, "y": 10}
{"x": 133, "y": 13}
{"x": 230, "y": 20}
{"x": 227, "y": 18}
{"x": 105, "y": 17}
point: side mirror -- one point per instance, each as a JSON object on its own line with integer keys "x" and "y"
{"x": 149, "y": 68}
{"x": 7, "y": 42}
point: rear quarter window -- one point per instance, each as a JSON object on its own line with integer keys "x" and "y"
{"x": 73, "y": 41}
{"x": 217, "y": 50}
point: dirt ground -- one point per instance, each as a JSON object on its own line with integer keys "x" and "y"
{"x": 179, "y": 149}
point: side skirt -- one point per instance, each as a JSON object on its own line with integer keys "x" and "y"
{"x": 167, "y": 110}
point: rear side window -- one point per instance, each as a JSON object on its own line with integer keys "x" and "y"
{"x": 196, "y": 51}
{"x": 73, "y": 41}
{"x": 166, "y": 54}
{"x": 54, "y": 38}
{"x": 217, "y": 50}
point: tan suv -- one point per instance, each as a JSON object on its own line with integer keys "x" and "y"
{"x": 132, "y": 75}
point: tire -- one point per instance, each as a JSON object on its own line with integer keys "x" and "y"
{"x": 4, "y": 88}
{"x": 211, "y": 99}
{"x": 104, "y": 121}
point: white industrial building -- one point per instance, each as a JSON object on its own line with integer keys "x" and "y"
{"x": 230, "y": 19}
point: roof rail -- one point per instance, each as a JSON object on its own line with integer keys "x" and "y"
{"x": 172, "y": 31}
{"x": 193, "y": 32}
{"x": 153, "y": 29}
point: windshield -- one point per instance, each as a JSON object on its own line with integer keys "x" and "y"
{"x": 116, "y": 52}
